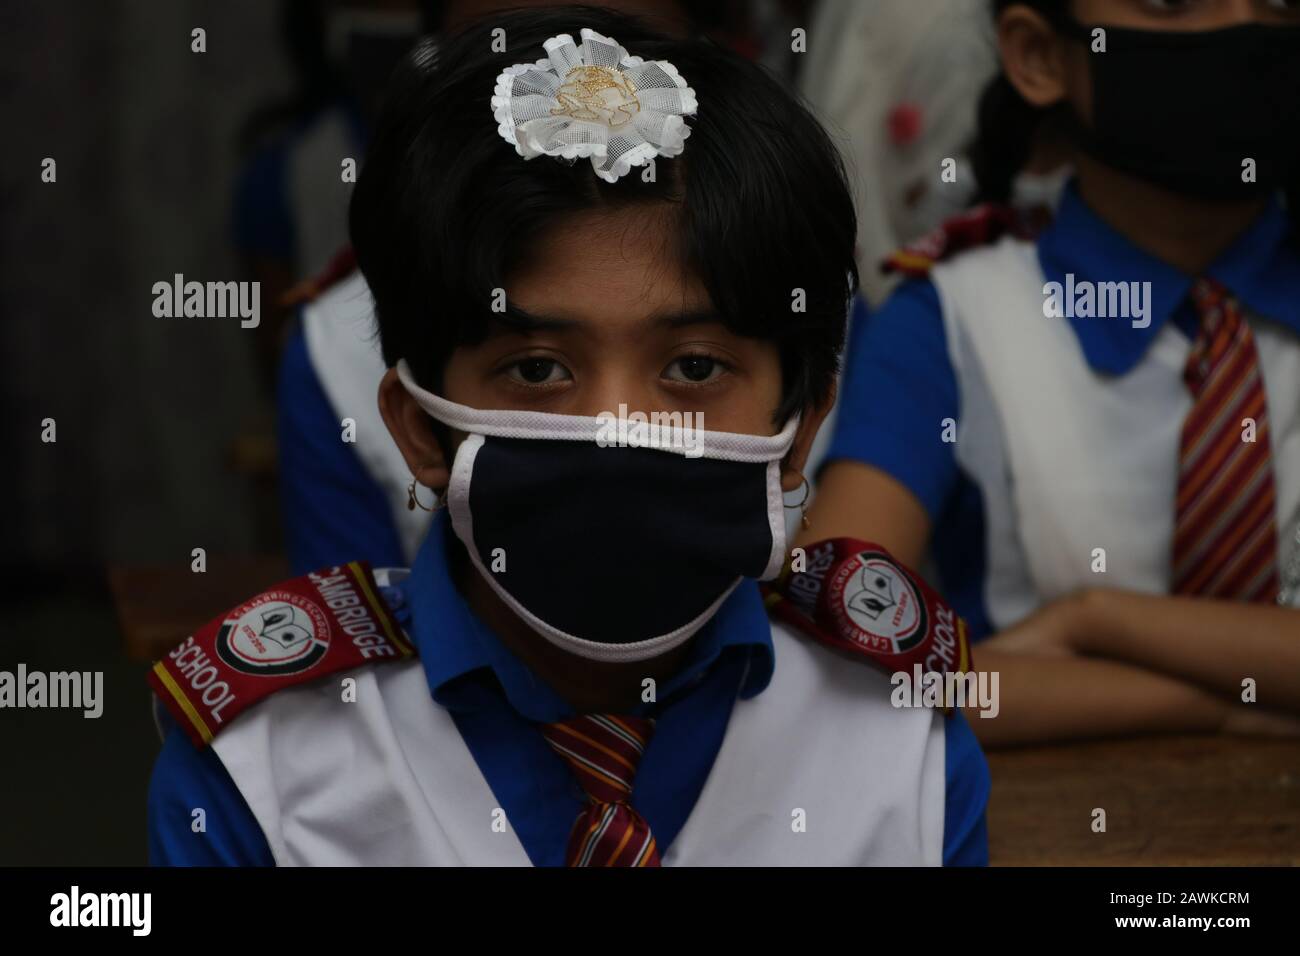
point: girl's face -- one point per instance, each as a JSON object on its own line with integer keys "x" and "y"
{"x": 1184, "y": 14}
{"x": 618, "y": 324}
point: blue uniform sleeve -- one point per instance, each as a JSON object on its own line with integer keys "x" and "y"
{"x": 334, "y": 511}
{"x": 186, "y": 779}
{"x": 897, "y": 389}
{"x": 965, "y": 831}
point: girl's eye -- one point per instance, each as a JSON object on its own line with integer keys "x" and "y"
{"x": 538, "y": 371}
{"x": 694, "y": 369}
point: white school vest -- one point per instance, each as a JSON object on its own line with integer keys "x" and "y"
{"x": 388, "y": 780}
{"x": 343, "y": 344}
{"x": 1069, "y": 460}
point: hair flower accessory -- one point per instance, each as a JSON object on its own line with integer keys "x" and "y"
{"x": 593, "y": 100}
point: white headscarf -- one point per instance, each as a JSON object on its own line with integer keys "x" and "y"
{"x": 897, "y": 82}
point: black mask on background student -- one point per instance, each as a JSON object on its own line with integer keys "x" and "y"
{"x": 1186, "y": 110}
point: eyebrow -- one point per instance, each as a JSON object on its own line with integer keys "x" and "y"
{"x": 681, "y": 320}
{"x": 519, "y": 321}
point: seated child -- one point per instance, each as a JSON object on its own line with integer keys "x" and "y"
{"x": 1096, "y": 434}
{"x": 611, "y": 339}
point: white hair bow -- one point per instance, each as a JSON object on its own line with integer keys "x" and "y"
{"x": 593, "y": 100}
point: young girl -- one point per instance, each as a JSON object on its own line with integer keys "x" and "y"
{"x": 597, "y": 681}
{"x": 1096, "y": 435}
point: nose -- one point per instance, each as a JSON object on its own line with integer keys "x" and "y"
{"x": 618, "y": 384}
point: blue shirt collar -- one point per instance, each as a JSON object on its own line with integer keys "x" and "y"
{"x": 1261, "y": 268}
{"x": 457, "y": 649}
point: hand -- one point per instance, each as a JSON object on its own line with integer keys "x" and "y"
{"x": 1050, "y": 631}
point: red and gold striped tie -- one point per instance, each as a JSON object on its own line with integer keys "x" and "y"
{"x": 1225, "y": 529}
{"x": 604, "y": 751}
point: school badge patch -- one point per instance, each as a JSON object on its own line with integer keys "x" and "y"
{"x": 853, "y": 596}
{"x": 876, "y": 603}
{"x": 278, "y": 632}
{"x": 300, "y": 630}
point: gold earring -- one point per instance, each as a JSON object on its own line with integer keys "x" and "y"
{"x": 802, "y": 504}
{"x": 412, "y": 501}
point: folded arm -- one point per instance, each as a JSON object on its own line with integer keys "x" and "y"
{"x": 1215, "y": 644}
{"x": 1100, "y": 664}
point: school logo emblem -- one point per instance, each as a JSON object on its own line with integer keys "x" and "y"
{"x": 276, "y": 633}
{"x": 879, "y": 604}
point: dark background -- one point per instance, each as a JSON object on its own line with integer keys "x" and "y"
{"x": 165, "y": 427}
{"x": 150, "y": 412}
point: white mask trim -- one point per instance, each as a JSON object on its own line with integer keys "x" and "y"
{"x": 775, "y": 521}
{"x": 509, "y": 423}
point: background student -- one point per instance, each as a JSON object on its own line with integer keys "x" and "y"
{"x": 1118, "y": 510}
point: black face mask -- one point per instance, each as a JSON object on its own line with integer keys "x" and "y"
{"x": 611, "y": 553}
{"x": 1185, "y": 110}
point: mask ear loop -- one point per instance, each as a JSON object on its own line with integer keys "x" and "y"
{"x": 802, "y": 503}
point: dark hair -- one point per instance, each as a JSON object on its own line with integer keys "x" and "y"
{"x": 445, "y": 209}
{"x": 1007, "y": 122}
{"x": 301, "y": 29}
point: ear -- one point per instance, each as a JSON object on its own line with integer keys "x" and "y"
{"x": 1033, "y": 56}
{"x": 409, "y": 426}
{"x": 810, "y": 423}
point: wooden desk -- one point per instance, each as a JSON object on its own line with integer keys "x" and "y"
{"x": 1169, "y": 801}
{"x": 159, "y": 606}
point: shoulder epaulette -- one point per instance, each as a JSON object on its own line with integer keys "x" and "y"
{"x": 339, "y": 268}
{"x": 975, "y": 227}
{"x": 300, "y": 630}
{"x": 854, "y": 597}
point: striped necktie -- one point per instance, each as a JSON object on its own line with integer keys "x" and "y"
{"x": 1225, "y": 529}
{"x": 603, "y": 751}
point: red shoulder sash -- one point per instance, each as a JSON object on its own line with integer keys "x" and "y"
{"x": 298, "y": 631}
